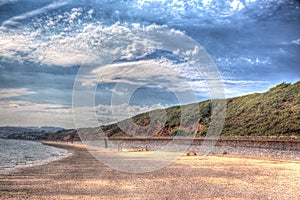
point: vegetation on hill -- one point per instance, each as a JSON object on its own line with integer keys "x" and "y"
{"x": 273, "y": 113}
{"x": 276, "y": 112}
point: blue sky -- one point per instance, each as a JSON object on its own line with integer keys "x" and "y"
{"x": 45, "y": 47}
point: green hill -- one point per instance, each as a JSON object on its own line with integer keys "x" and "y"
{"x": 273, "y": 113}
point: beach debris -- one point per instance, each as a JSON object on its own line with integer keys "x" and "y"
{"x": 144, "y": 149}
{"x": 191, "y": 153}
{"x": 224, "y": 152}
{"x": 105, "y": 142}
{"x": 120, "y": 148}
{"x": 210, "y": 153}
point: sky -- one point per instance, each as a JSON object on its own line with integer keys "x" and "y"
{"x": 86, "y": 63}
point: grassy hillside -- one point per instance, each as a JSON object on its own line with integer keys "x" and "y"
{"x": 275, "y": 112}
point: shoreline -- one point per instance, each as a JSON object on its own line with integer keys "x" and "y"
{"x": 81, "y": 176}
{"x": 231, "y": 151}
{"x": 67, "y": 153}
{"x": 20, "y": 166}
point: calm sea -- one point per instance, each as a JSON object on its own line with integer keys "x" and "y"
{"x": 19, "y": 153}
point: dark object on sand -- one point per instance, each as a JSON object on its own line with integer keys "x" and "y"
{"x": 191, "y": 153}
{"x": 105, "y": 142}
{"x": 224, "y": 152}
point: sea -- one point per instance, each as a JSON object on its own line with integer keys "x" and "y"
{"x": 16, "y": 154}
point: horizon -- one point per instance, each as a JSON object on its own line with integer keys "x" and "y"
{"x": 46, "y": 45}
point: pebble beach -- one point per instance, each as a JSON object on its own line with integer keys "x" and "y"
{"x": 81, "y": 176}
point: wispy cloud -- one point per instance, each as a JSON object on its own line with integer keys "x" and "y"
{"x": 242, "y": 87}
{"x": 244, "y": 60}
{"x": 14, "y": 20}
{"x": 24, "y": 113}
{"x": 128, "y": 76}
{"x": 106, "y": 114}
{"x": 3, "y": 2}
{"x": 293, "y": 42}
{"x": 9, "y": 93}
{"x": 177, "y": 77}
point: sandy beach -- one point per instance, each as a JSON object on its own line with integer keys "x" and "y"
{"x": 81, "y": 176}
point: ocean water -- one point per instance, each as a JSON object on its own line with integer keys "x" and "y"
{"x": 19, "y": 153}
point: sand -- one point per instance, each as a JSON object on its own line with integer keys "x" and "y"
{"x": 81, "y": 176}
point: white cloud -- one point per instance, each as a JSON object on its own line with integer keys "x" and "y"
{"x": 237, "y": 5}
{"x": 193, "y": 52}
{"x": 90, "y": 13}
{"x": 293, "y": 42}
{"x": 253, "y": 60}
{"x": 206, "y": 2}
{"x": 296, "y": 42}
{"x": 200, "y": 8}
{"x": 84, "y": 46}
{"x": 9, "y": 93}
{"x": 11, "y": 44}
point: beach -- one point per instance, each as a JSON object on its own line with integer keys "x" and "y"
{"x": 81, "y": 176}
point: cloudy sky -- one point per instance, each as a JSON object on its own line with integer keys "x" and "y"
{"x": 110, "y": 59}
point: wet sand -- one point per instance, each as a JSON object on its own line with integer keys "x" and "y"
{"x": 81, "y": 176}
